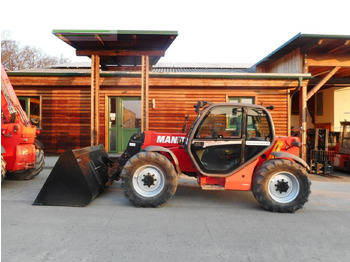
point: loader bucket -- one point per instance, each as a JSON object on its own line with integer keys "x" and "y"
{"x": 77, "y": 178}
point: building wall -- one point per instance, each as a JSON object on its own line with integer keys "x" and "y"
{"x": 327, "y": 116}
{"x": 342, "y": 106}
{"x": 290, "y": 63}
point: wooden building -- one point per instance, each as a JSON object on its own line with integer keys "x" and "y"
{"x": 326, "y": 97}
{"x": 123, "y": 92}
{"x": 66, "y": 113}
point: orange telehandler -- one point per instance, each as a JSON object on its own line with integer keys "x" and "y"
{"x": 228, "y": 147}
{"x": 22, "y": 155}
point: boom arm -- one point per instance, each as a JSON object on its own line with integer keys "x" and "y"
{"x": 10, "y": 105}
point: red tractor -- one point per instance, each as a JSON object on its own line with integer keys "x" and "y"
{"x": 22, "y": 155}
{"x": 228, "y": 147}
{"x": 341, "y": 154}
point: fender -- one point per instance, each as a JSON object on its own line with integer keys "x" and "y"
{"x": 281, "y": 154}
{"x": 163, "y": 149}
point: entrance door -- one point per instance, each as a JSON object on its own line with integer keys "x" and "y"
{"x": 124, "y": 120}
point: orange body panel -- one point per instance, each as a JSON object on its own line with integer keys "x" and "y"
{"x": 242, "y": 179}
{"x": 18, "y": 141}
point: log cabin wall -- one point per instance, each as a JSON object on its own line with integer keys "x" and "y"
{"x": 65, "y": 102}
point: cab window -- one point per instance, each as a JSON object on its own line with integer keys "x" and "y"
{"x": 221, "y": 123}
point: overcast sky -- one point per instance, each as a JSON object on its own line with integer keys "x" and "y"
{"x": 221, "y": 31}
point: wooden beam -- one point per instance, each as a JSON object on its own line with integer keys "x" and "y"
{"x": 92, "y": 101}
{"x": 106, "y": 122}
{"x": 328, "y": 60}
{"x": 345, "y": 72}
{"x": 321, "y": 73}
{"x": 64, "y": 39}
{"x": 145, "y": 94}
{"x": 322, "y": 82}
{"x": 125, "y": 68}
{"x": 95, "y": 94}
{"x": 302, "y": 120}
{"x": 346, "y": 43}
{"x": 100, "y": 39}
{"x": 97, "y": 97}
{"x": 120, "y": 52}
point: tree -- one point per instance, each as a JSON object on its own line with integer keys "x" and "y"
{"x": 13, "y": 57}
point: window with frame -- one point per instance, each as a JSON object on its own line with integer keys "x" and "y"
{"x": 32, "y": 106}
{"x": 222, "y": 122}
{"x": 244, "y": 100}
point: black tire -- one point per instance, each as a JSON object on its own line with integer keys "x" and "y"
{"x": 3, "y": 168}
{"x": 281, "y": 186}
{"x": 29, "y": 173}
{"x": 149, "y": 179}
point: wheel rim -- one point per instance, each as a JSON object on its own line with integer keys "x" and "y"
{"x": 283, "y": 187}
{"x": 148, "y": 181}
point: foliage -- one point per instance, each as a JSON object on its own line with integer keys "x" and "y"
{"x": 14, "y": 57}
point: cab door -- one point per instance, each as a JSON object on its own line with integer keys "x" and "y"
{"x": 218, "y": 142}
{"x": 228, "y": 137}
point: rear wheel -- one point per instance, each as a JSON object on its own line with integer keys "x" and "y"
{"x": 149, "y": 179}
{"x": 281, "y": 186}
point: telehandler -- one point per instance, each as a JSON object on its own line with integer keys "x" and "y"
{"x": 22, "y": 154}
{"x": 228, "y": 147}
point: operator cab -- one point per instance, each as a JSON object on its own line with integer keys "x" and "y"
{"x": 228, "y": 136}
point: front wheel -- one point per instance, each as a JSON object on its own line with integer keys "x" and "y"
{"x": 149, "y": 179}
{"x": 3, "y": 168}
{"x": 281, "y": 186}
{"x": 29, "y": 173}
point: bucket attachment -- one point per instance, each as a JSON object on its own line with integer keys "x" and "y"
{"x": 77, "y": 178}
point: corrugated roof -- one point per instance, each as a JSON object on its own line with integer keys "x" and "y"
{"x": 175, "y": 72}
{"x": 167, "y": 67}
{"x": 199, "y": 67}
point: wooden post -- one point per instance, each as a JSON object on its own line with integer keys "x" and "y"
{"x": 95, "y": 93}
{"x": 302, "y": 119}
{"x": 317, "y": 135}
{"x": 97, "y": 97}
{"x": 147, "y": 92}
{"x": 144, "y": 93}
{"x": 92, "y": 100}
{"x": 289, "y": 113}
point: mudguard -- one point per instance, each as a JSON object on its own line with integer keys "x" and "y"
{"x": 163, "y": 149}
{"x": 281, "y": 154}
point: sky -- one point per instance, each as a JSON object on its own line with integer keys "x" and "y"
{"x": 221, "y": 31}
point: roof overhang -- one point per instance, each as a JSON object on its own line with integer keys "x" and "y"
{"x": 321, "y": 53}
{"x": 119, "y": 49}
{"x": 311, "y": 43}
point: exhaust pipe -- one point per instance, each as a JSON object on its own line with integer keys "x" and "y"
{"x": 77, "y": 178}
